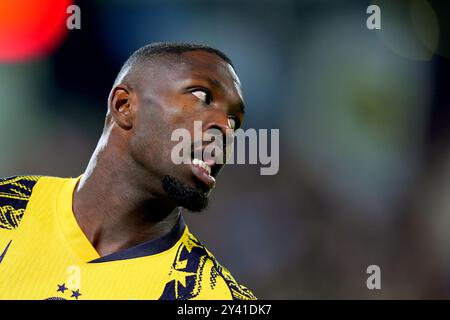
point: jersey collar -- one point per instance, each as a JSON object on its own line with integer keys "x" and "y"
{"x": 86, "y": 251}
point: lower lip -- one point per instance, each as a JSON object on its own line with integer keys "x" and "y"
{"x": 203, "y": 176}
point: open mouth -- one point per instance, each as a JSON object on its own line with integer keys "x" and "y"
{"x": 203, "y": 165}
{"x": 205, "y": 170}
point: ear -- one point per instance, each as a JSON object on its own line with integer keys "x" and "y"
{"x": 121, "y": 107}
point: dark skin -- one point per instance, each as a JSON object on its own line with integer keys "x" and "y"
{"x": 119, "y": 202}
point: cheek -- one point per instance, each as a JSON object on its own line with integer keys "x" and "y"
{"x": 151, "y": 142}
{"x": 151, "y": 139}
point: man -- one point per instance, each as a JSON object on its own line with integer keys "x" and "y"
{"x": 116, "y": 232}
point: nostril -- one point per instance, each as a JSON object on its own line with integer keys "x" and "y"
{"x": 222, "y": 126}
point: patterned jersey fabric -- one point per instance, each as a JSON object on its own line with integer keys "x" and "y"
{"x": 45, "y": 255}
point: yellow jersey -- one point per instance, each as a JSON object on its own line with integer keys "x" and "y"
{"x": 45, "y": 255}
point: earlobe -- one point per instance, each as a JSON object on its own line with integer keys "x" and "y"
{"x": 121, "y": 108}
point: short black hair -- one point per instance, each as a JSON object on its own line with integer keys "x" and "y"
{"x": 155, "y": 49}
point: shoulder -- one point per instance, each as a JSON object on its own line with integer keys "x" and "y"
{"x": 196, "y": 274}
{"x": 15, "y": 193}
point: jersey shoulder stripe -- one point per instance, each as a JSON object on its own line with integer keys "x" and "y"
{"x": 238, "y": 291}
{"x": 15, "y": 192}
{"x": 200, "y": 274}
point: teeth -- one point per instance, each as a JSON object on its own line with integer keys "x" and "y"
{"x": 202, "y": 164}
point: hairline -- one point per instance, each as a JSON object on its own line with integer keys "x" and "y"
{"x": 135, "y": 60}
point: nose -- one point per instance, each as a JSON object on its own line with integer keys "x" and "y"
{"x": 220, "y": 123}
{"x": 219, "y": 128}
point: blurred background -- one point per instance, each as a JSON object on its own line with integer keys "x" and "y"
{"x": 364, "y": 119}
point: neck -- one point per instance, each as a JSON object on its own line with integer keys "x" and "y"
{"x": 115, "y": 207}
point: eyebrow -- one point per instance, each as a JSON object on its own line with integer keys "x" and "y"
{"x": 214, "y": 82}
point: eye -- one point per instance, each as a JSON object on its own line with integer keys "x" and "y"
{"x": 232, "y": 123}
{"x": 203, "y": 95}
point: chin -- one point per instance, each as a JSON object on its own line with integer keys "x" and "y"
{"x": 192, "y": 197}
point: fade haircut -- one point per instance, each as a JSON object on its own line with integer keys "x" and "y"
{"x": 161, "y": 49}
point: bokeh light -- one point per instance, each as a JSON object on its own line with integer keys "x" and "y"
{"x": 31, "y": 29}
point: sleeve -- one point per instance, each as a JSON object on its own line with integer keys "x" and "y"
{"x": 236, "y": 290}
{"x": 214, "y": 282}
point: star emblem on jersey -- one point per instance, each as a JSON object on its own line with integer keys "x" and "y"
{"x": 61, "y": 288}
{"x": 75, "y": 294}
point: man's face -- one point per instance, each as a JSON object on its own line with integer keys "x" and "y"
{"x": 198, "y": 86}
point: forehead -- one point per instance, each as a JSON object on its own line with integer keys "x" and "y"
{"x": 200, "y": 65}
{"x": 198, "y": 62}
